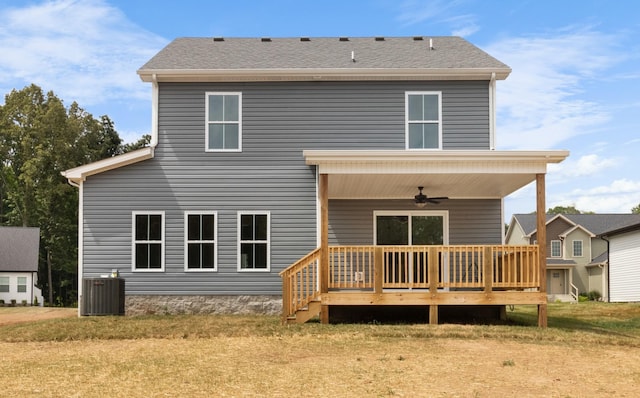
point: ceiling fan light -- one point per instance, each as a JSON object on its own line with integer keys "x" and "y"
{"x": 420, "y": 205}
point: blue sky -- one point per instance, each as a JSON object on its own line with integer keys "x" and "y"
{"x": 575, "y": 83}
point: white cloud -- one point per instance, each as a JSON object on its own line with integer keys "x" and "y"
{"x": 584, "y": 166}
{"x": 539, "y": 105}
{"x": 438, "y": 12}
{"x": 620, "y": 196}
{"x": 84, "y": 51}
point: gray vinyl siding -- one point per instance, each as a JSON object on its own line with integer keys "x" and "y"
{"x": 470, "y": 221}
{"x": 279, "y": 121}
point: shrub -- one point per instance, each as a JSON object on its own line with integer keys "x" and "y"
{"x": 594, "y": 295}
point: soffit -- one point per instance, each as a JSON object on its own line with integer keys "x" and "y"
{"x": 455, "y": 174}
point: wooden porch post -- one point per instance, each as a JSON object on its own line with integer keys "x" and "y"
{"x": 324, "y": 243}
{"x": 542, "y": 245}
{"x": 433, "y": 271}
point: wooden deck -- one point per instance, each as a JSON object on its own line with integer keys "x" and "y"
{"x": 411, "y": 275}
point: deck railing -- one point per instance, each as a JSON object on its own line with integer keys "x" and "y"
{"x": 374, "y": 268}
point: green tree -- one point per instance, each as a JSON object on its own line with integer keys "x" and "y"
{"x": 39, "y": 138}
{"x": 141, "y": 143}
{"x": 636, "y": 210}
{"x": 567, "y": 210}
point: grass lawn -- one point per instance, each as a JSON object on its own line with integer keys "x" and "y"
{"x": 589, "y": 349}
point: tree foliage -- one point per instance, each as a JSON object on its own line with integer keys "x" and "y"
{"x": 636, "y": 210}
{"x": 39, "y": 138}
{"x": 567, "y": 210}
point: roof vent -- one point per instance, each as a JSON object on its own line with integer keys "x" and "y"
{"x": 379, "y": 38}
{"x": 265, "y": 39}
{"x": 344, "y": 39}
{"x": 305, "y": 39}
{"x": 417, "y": 38}
{"x": 218, "y": 39}
{"x": 431, "y": 44}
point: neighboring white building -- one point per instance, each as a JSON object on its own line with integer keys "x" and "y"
{"x": 19, "y": 265}
{"x": 623, "y": 263}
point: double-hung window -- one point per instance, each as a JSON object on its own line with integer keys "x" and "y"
{"x": 556, "y": 248}
{"x": 148, "y": 241}
{"x": 577, "y": 248}
{"x": 200, "y": 241}
{"x": 423, "y": 120}
{"x": 22, "y": 284}
{"x": 4, "y": 284}
{"x": 254, "y": 241}
{"x": 224, "y": 122}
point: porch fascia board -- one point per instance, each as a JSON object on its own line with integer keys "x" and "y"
{"x": 445, "y": 161}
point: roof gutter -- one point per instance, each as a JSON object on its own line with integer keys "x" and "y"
{"x": 311, "y": 74}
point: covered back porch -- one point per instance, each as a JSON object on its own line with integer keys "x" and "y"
{"x": 419, "y": 274}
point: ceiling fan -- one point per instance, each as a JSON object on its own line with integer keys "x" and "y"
{"x": 422, "y": 199}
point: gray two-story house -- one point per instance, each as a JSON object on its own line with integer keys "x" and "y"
{"x": 304, "y": 174}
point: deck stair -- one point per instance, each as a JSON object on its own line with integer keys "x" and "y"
{"x": 306, "y": 313}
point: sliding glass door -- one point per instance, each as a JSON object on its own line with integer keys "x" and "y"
{"x": 409, "y": 228}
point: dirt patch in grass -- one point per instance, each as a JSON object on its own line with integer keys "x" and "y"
{"x": 13, "y": 315}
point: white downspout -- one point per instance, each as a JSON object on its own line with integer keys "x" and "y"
{"x": 80, "y": 242}
{"x": 492, "y": 112}
{"x": 154, "y": 111}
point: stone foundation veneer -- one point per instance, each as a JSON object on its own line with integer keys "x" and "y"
{"x": 173, "y": 305}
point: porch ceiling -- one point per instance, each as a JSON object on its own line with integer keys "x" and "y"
{"x": 456, "y": 174}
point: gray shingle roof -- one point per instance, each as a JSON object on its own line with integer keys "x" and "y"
{"x": 19, "y": 249}
{"x": 198, "y": 54}
{"x": 594, "y": 223}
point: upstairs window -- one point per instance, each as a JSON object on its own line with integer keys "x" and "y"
{"x": 577, "y": 248}
{"x": 148, "y": 241}
{"x": 556, "y": 248}
{"x": 423, "y": 120}
{"x": 254, "y": 242}
{"x": 200, "y": 241}
{"x": 224, "y": 122}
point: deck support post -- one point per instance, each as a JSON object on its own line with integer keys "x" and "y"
{"x": 433, "y": 315}
{"x": 323, "y": 182}
{"x": 542, "y": 244}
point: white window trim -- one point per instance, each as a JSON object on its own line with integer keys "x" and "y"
{"x": 187, "y": 241}
{"x": 406, "y": 119}
{"x": 573, "y": 247}
{"x": 551, "y": 248}
{"x": 134, "y": 241}
{"x": 260, "y": 212}
{"x": 206, "y": 121}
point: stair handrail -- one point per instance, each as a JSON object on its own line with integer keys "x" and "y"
{"x": 574, "y": 293}
{"x": 300, "y": 284}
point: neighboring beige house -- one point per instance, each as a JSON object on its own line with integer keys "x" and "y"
{"x": 19, "y": 265}
{"x": 576, "y": 251}
{"x": 619, "y": 272}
